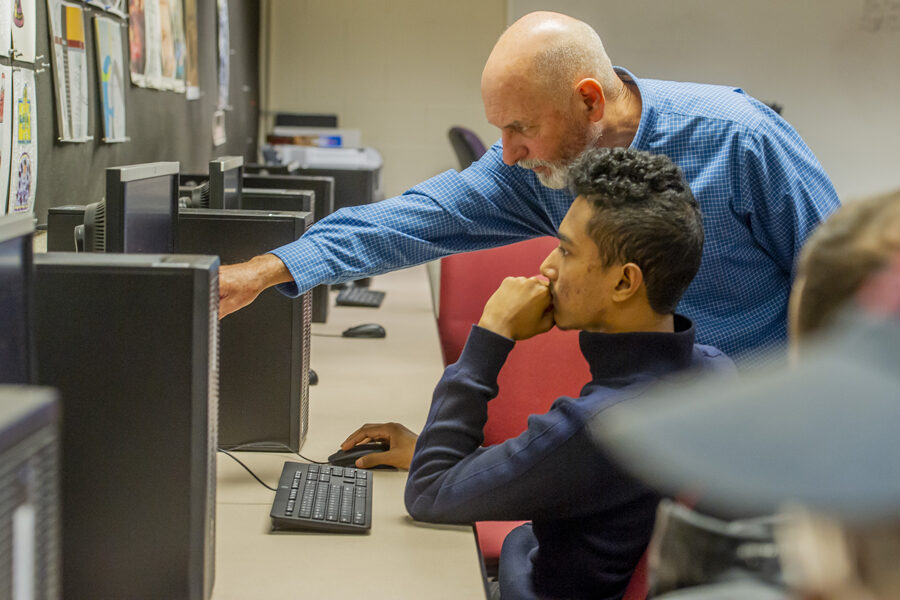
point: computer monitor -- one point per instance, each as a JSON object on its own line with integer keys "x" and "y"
{"x": 16, "y": 280}
{"x": 131, "y": 343}
{"x": 264, "y": 375}
{"x": 225, "y": 179}
{"x": 29, "y": 488}
{"x": 139, "y": 213}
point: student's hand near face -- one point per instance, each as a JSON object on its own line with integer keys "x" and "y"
{"x": 519, "y": 309}
{"x": 401, "y": 439}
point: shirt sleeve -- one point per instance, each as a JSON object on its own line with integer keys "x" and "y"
{"x": 784, "y": 191}
{"x": 552, "y": 470}
{"x": 488, "y": 204}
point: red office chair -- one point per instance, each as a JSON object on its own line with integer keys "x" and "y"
{"x": 537, "y": 371}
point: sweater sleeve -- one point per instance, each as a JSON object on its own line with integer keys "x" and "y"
{"x": 552, "y": 470}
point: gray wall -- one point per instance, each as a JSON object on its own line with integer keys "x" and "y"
{"x": 161, "y": 125}
{"x": 833, "y": 64}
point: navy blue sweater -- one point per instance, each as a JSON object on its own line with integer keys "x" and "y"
{"x": 590, "y": 522}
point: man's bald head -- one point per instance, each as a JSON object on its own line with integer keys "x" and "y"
{"x": 553, "y": 50}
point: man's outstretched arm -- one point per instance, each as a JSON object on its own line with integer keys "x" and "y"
{"x": 240, "y": 284}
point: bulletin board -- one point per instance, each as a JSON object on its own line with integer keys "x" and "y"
{"x": 160, "y": 125}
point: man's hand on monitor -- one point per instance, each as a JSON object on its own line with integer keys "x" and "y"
{"x": 240, "y": 284}
{"x": 401, "y": 440}
{"x": 519, "y": 309}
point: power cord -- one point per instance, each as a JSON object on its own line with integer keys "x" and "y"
{"x": 267, "y": 445}
{"x": 238, "y": 461}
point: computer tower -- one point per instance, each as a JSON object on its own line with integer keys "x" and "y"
{"x": 294, "y": 194}
{"x": 253, "y": 198}
{"x": 61, "y": 224}
{"x": 264, "y": 358}
{"x": 130, "y": 341}
{"x": 29, "y": 493}
{"x": 321, "y": 186}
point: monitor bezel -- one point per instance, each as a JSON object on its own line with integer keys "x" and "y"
{"x": 217, "y": 169}
{"x": 116, "y": 177}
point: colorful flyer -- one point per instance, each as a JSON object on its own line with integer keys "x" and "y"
{"x": 23, "y": 168}
{"x": 67, "y": 40}
{"x": 24, "y": 29}
{"x": 5, "y": 131}
{"x": 110, "y": 68}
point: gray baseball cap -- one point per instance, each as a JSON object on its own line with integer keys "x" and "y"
{"x": 825, "y": 433}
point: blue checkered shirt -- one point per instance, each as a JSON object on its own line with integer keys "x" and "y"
{"x": 761, "y": 191}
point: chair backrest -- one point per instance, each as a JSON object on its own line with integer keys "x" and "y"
{"x": 467, "y": 145}
{"x": 538, "y": 370}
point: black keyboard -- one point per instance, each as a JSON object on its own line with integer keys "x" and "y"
{"x": 323, "y": 498}
{"x": 359, "y": 296}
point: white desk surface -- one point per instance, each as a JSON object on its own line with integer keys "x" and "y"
{"x": 361, "y": 380}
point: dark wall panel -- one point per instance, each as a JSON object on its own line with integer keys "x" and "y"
{"x": 161, "y": 125}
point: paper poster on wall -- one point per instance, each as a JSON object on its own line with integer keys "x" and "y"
{"x": 136, "y": 43}
{"x": 224, "y": 53}
{"x": 5, "y": 28}
{"x": 178, "y": 43}
{"x": 116, "y": 7}
{"x": 67, "y": 40}
{"x": 5, "y": 132}
{"x": 152, "y": 45}
{"x": 191, "y": 71}
{"x": 23, "y": 167}
{"x": 110, "y": 68}
{"x": 166, "y": 44}
{"x": 24, "y": 28}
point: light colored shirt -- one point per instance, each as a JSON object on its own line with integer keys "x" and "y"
{"x": 760, "y": 189}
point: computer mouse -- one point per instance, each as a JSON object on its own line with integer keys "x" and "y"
{"x": 366, "y": 330}
{"x": 313, "y": 377}
{"x": 347, "y": 458}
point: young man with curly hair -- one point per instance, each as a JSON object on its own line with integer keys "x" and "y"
{"x": 628, "y": 248}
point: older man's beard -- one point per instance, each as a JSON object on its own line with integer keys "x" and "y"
{"x": 558, "y": 175}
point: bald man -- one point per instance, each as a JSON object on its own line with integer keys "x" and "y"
{"x": 550, "y": 88}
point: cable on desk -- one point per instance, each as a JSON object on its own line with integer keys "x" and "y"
{"x": 327, "y": 334}
{"x": 237, "y": 460}
{"x": 280, "y": 445}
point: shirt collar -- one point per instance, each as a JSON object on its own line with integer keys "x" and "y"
{"x": 621, "y": 355}
{"x": 648, "y": 109}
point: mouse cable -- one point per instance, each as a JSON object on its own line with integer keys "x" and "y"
{"x": 326, "y": 335}
{"x": 284, "y": 447}
{"x": 238, "y": 461}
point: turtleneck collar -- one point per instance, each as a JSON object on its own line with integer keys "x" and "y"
{"x": 621, "y": 356}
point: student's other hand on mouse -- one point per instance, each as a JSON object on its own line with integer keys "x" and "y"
{"x": 401, "y": 439}
{"x": 519, "y": 309}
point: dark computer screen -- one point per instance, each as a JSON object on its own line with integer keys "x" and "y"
{"x": 140, "y": 210}
{"x": 148, "y": 216}
{"x": 15, "y": 281}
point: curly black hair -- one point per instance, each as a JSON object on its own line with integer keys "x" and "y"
{"x": 644, "y": 213}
